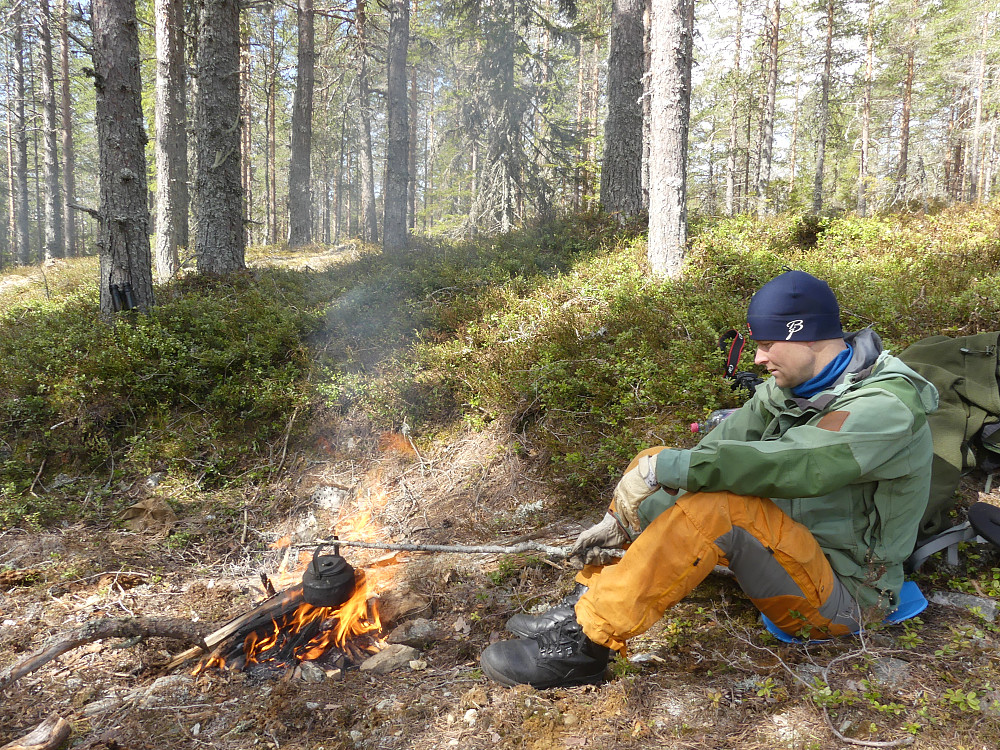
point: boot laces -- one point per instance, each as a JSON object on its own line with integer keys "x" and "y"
{"x": 562, "y": 640}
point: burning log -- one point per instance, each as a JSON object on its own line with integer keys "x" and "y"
{"x": 48, "y": 735}
{"x": 287, "y": 629}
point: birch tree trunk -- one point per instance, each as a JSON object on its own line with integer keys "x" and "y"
{"x": 20, "y": 187}
{"x": 369, "y": 221}
{"x": 767, "y": 121}
{"x": 171, "y": 138}
{"x": 621, "y": 173}
{"x": 823, "y": 112}
{"x": 68, "y": 150}
{"x": 123, "y": 237}
{"x": 398, "y": 130}
{"x": 54, "y": 242}
{"x": 672, "y": 36}
{"x": 220, "y": 244}
{"x": 300, "y": 166}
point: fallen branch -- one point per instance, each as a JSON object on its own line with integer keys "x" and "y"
{"x": 48, "y": 735}
{"x": 486, "y": 549}
{"x": 180, "y": 630}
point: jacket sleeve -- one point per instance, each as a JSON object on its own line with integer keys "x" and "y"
{"x": 852, "y": 441}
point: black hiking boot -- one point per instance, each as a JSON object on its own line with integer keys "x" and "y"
{"x": 527, "y": 626}
{"x": 559, "y": 656}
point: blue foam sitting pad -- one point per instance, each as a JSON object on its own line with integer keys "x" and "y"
{"x": 911, "y": 603}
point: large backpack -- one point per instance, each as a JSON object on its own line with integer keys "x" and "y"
{"x": 966, "y": 426}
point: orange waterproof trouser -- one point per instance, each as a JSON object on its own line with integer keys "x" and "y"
{"x": 776, "y": 561}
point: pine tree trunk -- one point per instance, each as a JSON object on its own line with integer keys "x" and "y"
{"x": 672, "y": 36}
{"x": 904, "y": 129}
{"x": 369, "y": 220}
{"x": 767, "y": 121}
{"x": 732, "y": 154}
{"x": 272, "y": 134}
{"x": 22, "y": 240}
{"x": 126, "y": 271}
{"x": 54, "y": 240}
{"x": 621, "y": 173}
{"x": 300, "y": 170}
{"x": 220, "y": 245}
{"x": 978, "y": 122}
{"x": 68, "y": 150}
{"x": 11, "y": 202}
{"x": 398, "y": 130}
{"x": 866, "y": 111}
{"x": 246, "y": 133}
{"x": 411, "y": 189}
{"x": 171, "y": 138}
{"x": 823, "y": 114}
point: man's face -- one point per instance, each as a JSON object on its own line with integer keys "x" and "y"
{"x": 790, "y": 362}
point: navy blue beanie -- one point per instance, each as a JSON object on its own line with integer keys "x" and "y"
{"x": 795, "y": 306}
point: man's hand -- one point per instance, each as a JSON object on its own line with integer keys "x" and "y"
{"x": 607, "y": 533}
{"x": 638, "y": 483}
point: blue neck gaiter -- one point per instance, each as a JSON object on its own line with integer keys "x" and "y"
{"x": 826, "y": 376}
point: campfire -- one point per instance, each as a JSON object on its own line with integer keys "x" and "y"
{"x": 330, "y": 618}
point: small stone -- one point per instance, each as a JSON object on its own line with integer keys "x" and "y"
{"x": 418, "y": 633}
{"x": 470, "y": 717}
{"x": 449, "y": 719}
{"x": 986, "y": 607}
{"x": 571, "y": 720}
{"x": 312, "y": 705}
{"x": 892, "y": 672}
{"x": 312, "y": 672}
{"x": 334, "y": 674}
{"x": 392, "y": 657}
{"x": 196, "y": 729}
{"x": 418, "y": 665}
{"x": 356, "y": 736}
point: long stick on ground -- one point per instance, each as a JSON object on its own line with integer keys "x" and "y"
{"x": 487, "y": 549}
{"x": 181, "y": 630}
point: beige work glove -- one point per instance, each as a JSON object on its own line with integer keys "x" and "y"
{"x": 638, "y": 483}
{"x": 608, "y": 533}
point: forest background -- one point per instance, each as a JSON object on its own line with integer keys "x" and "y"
{"x": 485, "y": 378}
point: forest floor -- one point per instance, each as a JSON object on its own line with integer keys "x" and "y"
{"x": 706, "y": 676}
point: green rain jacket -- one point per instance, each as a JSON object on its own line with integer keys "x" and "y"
{"x": 853, "y": 464}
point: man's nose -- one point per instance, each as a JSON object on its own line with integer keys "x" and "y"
{"x": 760, "y": 357}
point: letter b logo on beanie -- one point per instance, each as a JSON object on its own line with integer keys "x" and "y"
{"x": 795, "y": 306}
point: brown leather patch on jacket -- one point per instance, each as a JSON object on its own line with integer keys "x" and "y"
{"x": 833, "y": 421}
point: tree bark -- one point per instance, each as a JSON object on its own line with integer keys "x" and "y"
{"x": 54, "y": 241}
{"x": 369, "y": 220}
{"x": 20, "y": 187}
{"x": 48, "y": 735}
{"x": 126, "y": 272}
{"x": 672, "y": 37}
{"x": 271, "y": 161}
{"x": 767, "y": 119}
{"x": 398, "y": 130}
{"x": 300, "y": 162}
{"x": 171, "y": 138}
{"x": 866, "y": 111}
{"x": 68, "y": 150}
{"x": 220, "y": 244}
{"x": 411, "y": 194}
{"x": 904, "y": 128}
{"x": 732, "y": 154}
{"x": 621, "y": 173}
{"x": 823, "y": 113}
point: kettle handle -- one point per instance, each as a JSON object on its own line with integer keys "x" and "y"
{"x": 315, "y": 560}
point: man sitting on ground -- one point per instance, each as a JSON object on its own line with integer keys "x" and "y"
{"x": 811, "y": 494}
